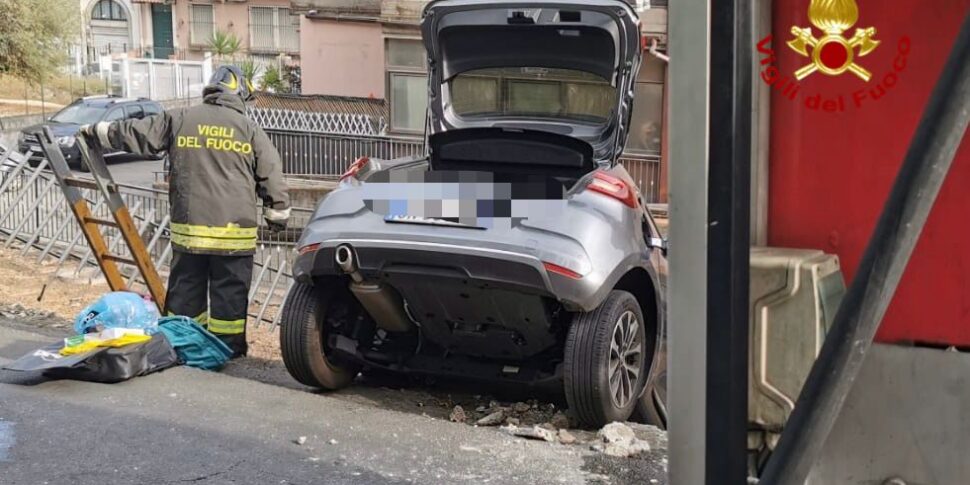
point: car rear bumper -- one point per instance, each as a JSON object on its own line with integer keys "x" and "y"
{"x": 377, "y": 258}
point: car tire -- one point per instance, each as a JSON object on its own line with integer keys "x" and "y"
{"x": 612, "y": 334}
{"x": 302, "y": 336}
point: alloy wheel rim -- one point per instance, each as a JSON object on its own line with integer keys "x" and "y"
{"x": 626, "y": 359}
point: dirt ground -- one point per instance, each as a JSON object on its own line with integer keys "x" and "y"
{"x": 23, "y": 280}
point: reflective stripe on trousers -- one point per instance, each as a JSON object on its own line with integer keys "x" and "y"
{"x": 227, "y": 327}
{"x": 207, "y": 237}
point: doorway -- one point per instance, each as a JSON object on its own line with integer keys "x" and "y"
{"x": 162, "y": 39}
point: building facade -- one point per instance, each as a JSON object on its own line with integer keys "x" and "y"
{"x": 112, "y": 27}
{"x": 264, "y": 28}
{"x": 182, "y": 29}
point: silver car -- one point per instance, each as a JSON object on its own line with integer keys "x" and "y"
{"x": 517, "y": 250}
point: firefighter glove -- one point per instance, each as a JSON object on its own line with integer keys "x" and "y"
{"x": 97, "y": 132}
{"x": 276, "y": 219}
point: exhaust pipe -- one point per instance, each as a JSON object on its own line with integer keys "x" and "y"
{"x": 345, "y": 260}
{"x": 383, "y": 303}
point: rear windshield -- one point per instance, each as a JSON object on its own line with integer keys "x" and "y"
{"x": 532, "y": 92}
{"x": 79, "y": 114}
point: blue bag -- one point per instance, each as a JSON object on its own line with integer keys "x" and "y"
{"x": 118, "y": 309}
{"x": 195, "y": 346}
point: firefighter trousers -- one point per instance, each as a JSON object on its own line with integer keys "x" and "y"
{"x": 214, "y": 290}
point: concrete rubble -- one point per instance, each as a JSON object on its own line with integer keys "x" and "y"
{"x": 494, "y": 419}
{"x": 532, "y": 432}
{"x": 566, "y": 438}
{"x": 618, "y": 439}
{"x": 458, "y": 415}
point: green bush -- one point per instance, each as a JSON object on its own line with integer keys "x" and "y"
{"x": 272, "y": 80}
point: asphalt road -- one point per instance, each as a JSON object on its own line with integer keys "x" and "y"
{"x": 135, "y": 173}
{"x": 189, "y": 426}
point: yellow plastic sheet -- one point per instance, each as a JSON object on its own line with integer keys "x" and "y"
{"x": 90, "y": 345}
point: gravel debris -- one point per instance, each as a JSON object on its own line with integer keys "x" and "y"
{"x": 618, "y": 439}
{"x": 458, "y": 415}
{"x": 560, "y": 421}
{"x": 534, "y": 432}
{"x": 493, "y": 419}
{"x": 566, "y": 438}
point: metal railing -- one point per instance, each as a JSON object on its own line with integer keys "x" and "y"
{"x": 324, "y": 144}
{"x": 645, "y": 170}
{"x": 328, "y": 154}
{"x": 35, "y": 218}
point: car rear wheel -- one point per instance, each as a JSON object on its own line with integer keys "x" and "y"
{"x": 605, "y": 363}
{"x": 303, "y": 339}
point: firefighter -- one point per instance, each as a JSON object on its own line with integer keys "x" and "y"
{"x": 220, "y": 162}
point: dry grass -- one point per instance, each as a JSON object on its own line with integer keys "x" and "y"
{"x": 58, "y": 91}
{"x": 18, "y": 108}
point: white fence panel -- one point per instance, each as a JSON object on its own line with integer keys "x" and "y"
{"x": 162, "y": 80}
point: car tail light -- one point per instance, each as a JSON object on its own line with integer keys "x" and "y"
{"x": 555, "y": 268}
{"x": 354, "y": 168}
{"x": 613, "y": 187}
{"x": 309, "y": 248}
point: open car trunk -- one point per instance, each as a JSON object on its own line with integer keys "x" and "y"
{"x": 564, "y": 67}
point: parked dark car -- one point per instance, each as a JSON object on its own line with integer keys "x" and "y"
{"x": 84, "y": 111}
{"x": 519, "y": 250}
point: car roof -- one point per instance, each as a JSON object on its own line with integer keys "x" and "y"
{"x": 108, "y": 101}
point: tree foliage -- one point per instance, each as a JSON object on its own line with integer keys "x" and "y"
{"x": 224, "y": 44}
{"x": 250, "y": 69}
{"x": 272, "y": 79}
{"x": 35, "y": 36}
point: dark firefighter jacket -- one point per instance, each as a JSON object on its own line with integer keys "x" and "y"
{"x": 220, "y": 162}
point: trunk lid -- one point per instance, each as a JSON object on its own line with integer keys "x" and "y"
{"x": 565, "y": 67}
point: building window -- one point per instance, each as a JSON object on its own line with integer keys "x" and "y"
{"x": 202, "y": 24}
{"x": 273, "y": 29}
{"x": 646, "y": 123}
{"x": 407, "y": 80}
{"x": 108, "y": 10}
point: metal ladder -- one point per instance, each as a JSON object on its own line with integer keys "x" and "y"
{"x": 122, "y": 220}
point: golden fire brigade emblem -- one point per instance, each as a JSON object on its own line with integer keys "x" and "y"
{"x": 833, "y": 54}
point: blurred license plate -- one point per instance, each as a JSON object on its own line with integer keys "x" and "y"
{"x": 429, "y": 221}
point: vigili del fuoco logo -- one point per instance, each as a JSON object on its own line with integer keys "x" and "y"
{"x": 833, "y": 54}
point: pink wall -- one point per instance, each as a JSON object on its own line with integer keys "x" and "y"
{"x": 229, "y": 17}
{"x": 342, "y": 58}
